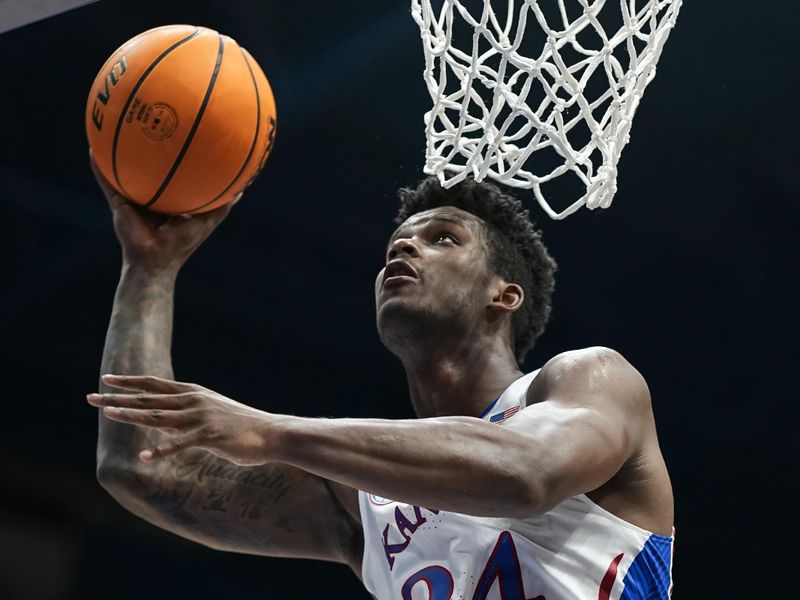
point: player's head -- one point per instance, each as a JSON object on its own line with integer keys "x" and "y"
{"x": 476, "y": 267}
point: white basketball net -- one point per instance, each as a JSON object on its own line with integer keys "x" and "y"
{"x": 565, "y": 110}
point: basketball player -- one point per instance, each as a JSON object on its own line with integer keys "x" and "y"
{"x": 548, "y": 485}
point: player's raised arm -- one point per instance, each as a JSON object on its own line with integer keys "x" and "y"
{"x": 271, "y": 509}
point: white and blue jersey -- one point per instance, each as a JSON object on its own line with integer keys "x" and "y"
{"x": 575, "y": 551}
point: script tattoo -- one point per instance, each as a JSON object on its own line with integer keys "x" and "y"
{"x": 254, "y": 508}
{"x": 217, "y": 499}
{"x": 200, "y": 467}
{"x": 171, "y": 483}
{"x": 170, "y": 500}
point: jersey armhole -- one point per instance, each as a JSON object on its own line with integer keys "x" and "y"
{"x": 365, "y": 519}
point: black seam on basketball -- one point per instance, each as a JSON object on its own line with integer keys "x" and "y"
{"x": 252, "y": 146}
{"x": 267, "y": 150}
{"x": 135, "y": 89}
{"x": 193, "y": 130}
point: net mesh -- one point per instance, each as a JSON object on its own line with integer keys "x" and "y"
{"x": 532, "y": 93}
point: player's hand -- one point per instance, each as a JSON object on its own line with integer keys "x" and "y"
{"x": 153, "y": 240}
{"x": 193, "y": 417}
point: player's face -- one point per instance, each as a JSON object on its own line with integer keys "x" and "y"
{"x": 436, "y": 276}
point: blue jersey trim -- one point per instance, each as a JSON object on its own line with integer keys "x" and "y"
{"x": 489, "y": 408}
{"x": 648, "y": 577}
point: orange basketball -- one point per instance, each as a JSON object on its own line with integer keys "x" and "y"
{"x": 180, "y": 119}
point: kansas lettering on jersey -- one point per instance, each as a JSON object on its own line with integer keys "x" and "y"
{"x": 575, "y": 551}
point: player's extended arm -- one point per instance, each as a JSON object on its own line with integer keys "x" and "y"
{"x": 271, "y": 509}
{"x": 588, "y": 411}
{"x": 586, "y": 417}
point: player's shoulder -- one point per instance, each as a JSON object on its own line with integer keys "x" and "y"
{"x": 596, "y": 372}
{"x": 583, "y": 359}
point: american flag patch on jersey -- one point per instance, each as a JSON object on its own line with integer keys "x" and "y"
{"x": 500, "y": 417}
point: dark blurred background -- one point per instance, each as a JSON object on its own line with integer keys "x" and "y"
{"x": 690, "y": 274}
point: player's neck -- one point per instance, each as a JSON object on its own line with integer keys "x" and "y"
{"x": 462, "y": 384}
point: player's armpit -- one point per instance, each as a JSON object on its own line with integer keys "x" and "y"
{"x": 587, "y": 411}
{"x": 271, "y": 510}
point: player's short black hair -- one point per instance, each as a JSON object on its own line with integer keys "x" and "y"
{"x": 516, "y": 251}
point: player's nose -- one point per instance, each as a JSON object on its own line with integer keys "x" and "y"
{"x": 402, "y": 247}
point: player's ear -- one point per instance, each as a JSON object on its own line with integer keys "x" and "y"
{"x": 504, "y": 298}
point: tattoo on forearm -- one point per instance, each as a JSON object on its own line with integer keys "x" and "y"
{"x": 169, "y": 500}
{"x": 254, "y": 493}
{"x": 217, "y": 499}
{"x": 200, "y": 466}
{"x": 254, "y": 507}
{"x": 251, "y": 494}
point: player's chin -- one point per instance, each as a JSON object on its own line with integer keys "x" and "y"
{"x": 398, "y": 321}
{"x": 393, "y": 308}
{"x": 393, "y": 304}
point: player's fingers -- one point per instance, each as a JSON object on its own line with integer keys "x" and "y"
{"x": 162, "y": 401}
{"x": 208, "y": 221}
{"x": 170, "y": 447}
{"x": 148, "y": 383}
{"x": 114, "y": 199}
{"x": 216, "y": 216}
{"x": 180, "y": 420}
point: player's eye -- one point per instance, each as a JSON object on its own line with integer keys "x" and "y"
{"x": 446, "y": 236}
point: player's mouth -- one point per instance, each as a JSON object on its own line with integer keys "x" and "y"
{"x": 398, "y": 272}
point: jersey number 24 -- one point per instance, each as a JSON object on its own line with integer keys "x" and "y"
{"x": 503, "y": 565}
